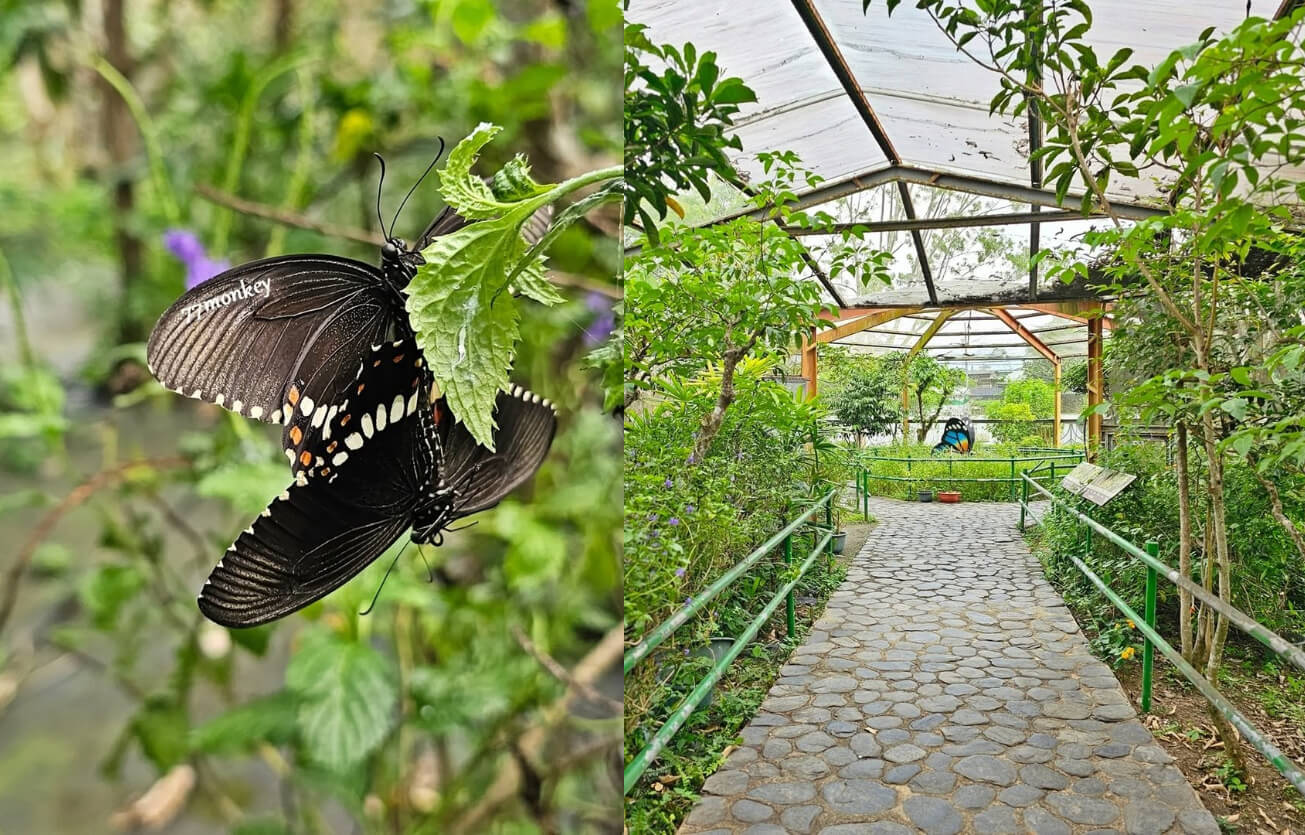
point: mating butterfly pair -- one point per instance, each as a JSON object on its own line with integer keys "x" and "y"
{"x": 322, "y": 345}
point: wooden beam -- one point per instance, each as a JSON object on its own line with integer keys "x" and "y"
{"x": 862, "y": 323}
{"x": 1024, "y": 333}
{"x": 1077, "y": 311}
{"x": 943, "y": 316}
{"x": 810, "y": 360}
{"x": 1096, "y": 386}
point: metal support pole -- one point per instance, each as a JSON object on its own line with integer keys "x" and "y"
{"x": 1148, "y": 649}
{"x": 1012, "y": 479}
{"x": 790, "y": 613}
{"x": 1024, "y": 500}
{"x": 829, "y": 521}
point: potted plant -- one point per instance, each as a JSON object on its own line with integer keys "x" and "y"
{"x": 840, "y": 535}
{"x": 951, "y": 495}
{"x": 926, "y": 495}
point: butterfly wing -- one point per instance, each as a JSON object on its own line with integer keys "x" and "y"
{"x": 270, "y": 330}
{"x": 480, "y": 478}
{"x": 319, "y": 534}
{"x": 386, "y": 388}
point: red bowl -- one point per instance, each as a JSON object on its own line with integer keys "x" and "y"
{"x": 949, "y": 496}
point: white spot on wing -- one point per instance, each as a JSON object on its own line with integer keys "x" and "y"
{"x": 286, "y": 411}
{"x": 367, "y": 428}
{"x": 256, "y": 412}
{"x": 340, "y": 458}
{"x": 318, "y": 417}
{"x": 218, "y": 400}
{"x": 380, "y": 417}
{"x": 306, "y": 405}
{"x": 353, "y": 441}
{"x": 412, "y": 403}
{"x": 396, "y": 409}
{"x": 238, "y": 407}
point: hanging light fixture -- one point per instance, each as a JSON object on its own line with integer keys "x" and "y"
{"x": 969, "y": 351}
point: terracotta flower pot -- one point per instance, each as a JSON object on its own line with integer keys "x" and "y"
{"x": 949, "y": 496}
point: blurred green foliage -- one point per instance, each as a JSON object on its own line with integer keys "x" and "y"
{"x": 430, "y": 714}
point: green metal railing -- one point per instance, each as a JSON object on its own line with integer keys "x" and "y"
{"x": 1065, "y": 459}
{"x": 1155, "y": 568}
{"x": 653, "y": 639}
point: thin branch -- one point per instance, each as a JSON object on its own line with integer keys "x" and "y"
{"x": 560, "y": 673}
{"x": 362, "y": 236}
{"x": 79, "y": 495}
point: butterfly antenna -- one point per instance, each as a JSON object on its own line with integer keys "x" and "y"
{"x": 397, "y": 212}
{"x": 463, "y": 527}
{"x": 430, "y": 572}
{"x": 379, "y": 185}
{"x": 377, "y": 595}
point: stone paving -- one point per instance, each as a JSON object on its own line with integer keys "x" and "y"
{"x": 946, "y": 689}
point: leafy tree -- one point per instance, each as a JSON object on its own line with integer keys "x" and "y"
{"x": 675, "y": 125}
{"x": 1014, "y": 420}
{"x": 711, "y": 296}
{"x": 1039, "y": 396}
{"x": 869, "y": 403}
{"x": 929, "y": 385}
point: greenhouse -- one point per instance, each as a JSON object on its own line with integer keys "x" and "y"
{"x": 964, "y": 411}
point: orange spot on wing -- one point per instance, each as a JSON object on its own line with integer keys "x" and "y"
{"x": 305, "y": 458}
{"x": 296, "y": 435}
{"x": 344, "y": 420}
{"x": 331, "y": 446}
{"x": 398, "y": 358}
{"x": 360, "y": 388}
{"x": 325, "y": 470}
{"x": 293, "y": 395}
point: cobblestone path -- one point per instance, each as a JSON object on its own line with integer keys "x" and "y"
{"x": 946, "y": 689}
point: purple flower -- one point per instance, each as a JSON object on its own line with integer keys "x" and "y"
{"x": 688, "y": 508}
{"x": 673, "y": 521}
{"x": 668, "y": 483}
{"x": 679, "y": 572}
{"x": 604, "y": 320}
{"x": 688, "y": 601}
{"x": 185, "y": 245}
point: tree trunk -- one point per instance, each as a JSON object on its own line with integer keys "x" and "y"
{"x": 1219, "y": 527}
{"x": 120, "y": 139}
{"x": 1184, "y": 543}
{"x": 712, "y": 421}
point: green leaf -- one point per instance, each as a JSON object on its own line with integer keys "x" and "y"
{"x": 269, "y": 719}
{"x": 609, "y": 193}
{"x": 467, "y": 193}
{"x": 263, "y": 825}
{"x": 161, "y": 727}
{"x": 347, "y": 699}
{"x": 466, "y": 321}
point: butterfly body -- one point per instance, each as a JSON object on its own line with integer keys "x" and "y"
{"x": 392, "y": 461}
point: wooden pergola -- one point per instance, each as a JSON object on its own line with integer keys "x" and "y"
{"x": 1094, "y": 313}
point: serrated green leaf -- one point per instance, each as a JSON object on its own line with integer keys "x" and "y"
{"x": 609, "y": 193}
{"x": 532, "y": 281}
{"x": 466, "y": 321}
{"x": 469, "y": 194}
{"x": 347, "y": 694}
{"x": 269, "y": 719}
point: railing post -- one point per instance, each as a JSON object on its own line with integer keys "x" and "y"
{"x": 829, "y": 520}
{"x": 1024, "y": 500}
{"x": 790, "y": 613}
{"x": 865, "y": 497}
{"x": 1148, "y": 649}
{"x": 1012, "y": 479}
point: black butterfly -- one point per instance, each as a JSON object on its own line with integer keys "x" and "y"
{"x": 421, "y": 470}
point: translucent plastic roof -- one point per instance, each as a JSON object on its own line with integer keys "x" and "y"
{"x": 974, "y": 336}
{"x": 896, "y": 122}
{"x": 931, "y": 101}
